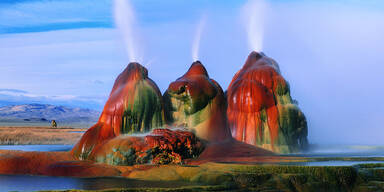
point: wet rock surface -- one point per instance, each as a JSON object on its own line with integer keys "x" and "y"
{"x": 134, "y": 106}
{"x": 197, "y": 102}
{"x": 261, "y": 111}
{"x": 161, "y": 146}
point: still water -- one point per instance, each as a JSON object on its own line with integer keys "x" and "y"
{"x": 37, "y": 147}
{"x": 34, "y": 183}
{"x": 329, "y": 163}
{"x": 343, "y": 151}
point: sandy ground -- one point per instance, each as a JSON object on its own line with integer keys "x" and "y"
{"x": 39, "y": 135}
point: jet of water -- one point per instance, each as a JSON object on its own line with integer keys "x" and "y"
{"x": 196, "y": 41}
{"x": 125, "y": 21}
{"x": 254, "y": 15}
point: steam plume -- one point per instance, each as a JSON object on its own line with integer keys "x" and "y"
{"x": 125, "y": 21}
{"x": 254, "y": 16}
{"x": 196, "y": 41}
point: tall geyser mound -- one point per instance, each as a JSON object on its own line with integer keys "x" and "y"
{"x": 261, "y": 111}
{"x": 134, "y": 106}
{"x": 197, "y": 102}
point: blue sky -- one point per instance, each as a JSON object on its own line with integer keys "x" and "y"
{"x": 69, "y": 52}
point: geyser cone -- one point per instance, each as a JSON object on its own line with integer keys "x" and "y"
{"x": 260, "y": 108}
{"x": 196, "y": 102}
{"x": 134, "y": 106}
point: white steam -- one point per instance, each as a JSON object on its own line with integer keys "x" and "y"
{"x": 125, "y": 22}
{"x": 254, "y": 16}
{"x": 196, "y": 41}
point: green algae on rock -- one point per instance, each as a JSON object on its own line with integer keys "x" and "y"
{"x": 240, "y": 177}
{"x": 161, "y": 146}
{"x": 261, "y": 111}
{"x": 197, "y": 102}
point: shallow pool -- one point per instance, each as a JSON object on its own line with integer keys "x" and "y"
{"x": 342, "y": 151}
{"x": 76, "y": 131}
{"x": 329, "y": 163}
{"x": 37, "y": 147}
{"x": 34, "y": 183}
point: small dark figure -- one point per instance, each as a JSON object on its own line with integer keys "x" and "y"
{"x": 53, "y": 124}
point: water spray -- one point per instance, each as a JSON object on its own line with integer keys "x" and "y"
{"x": 254, "y": 16}
{"x": 196, "y": 41}
{"x": 125, "y": 21}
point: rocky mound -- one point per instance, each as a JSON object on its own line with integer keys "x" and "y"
{"x": 134, "y": 106}
{"x": 196, "y": 102}
{"x": 261, "y": 111}
{"x": 161, "y": 146}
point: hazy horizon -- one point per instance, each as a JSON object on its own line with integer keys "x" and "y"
{"x": 69, "y": 52}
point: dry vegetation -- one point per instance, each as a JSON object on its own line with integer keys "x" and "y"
{"x": 39, "y": 135}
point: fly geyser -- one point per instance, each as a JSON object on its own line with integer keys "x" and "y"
{"x": 134, "y": 106}
{"x": 257, "y": 110}
{"x": 261, "y": 111}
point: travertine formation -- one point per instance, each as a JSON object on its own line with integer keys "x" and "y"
{"x": 161, "y": 146}
{"x": 134, "y": 106}
{"x": 261, "y": 111}
{"x": 196, "y": 102}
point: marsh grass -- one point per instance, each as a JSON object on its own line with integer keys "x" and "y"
{"x": 39, "y": 135}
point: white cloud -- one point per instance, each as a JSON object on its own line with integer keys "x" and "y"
{"x": 61, "y": 62}
{"x": 47, "y": 12}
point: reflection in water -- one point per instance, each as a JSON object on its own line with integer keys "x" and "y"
{"x": 76, "y": 131}
{"x": 343, "y": 151}
{"x": 33, "y": 183}
{"x": 37, "y": 147}
{"x": 329, "y": 163}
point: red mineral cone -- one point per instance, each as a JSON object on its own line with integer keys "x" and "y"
{"x": 260, "y": 109}
{"x": 134, "y": 106}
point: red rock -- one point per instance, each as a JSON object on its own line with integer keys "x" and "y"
{"x": 19, "y": 162}
{"x": 134, "y": 105}
{"x": 81, "y": 169}
{"x": 233, "y": 151}
{"x": 162, "y": 146}
{"x": 52, "y": 164}
{"x": 260, "y": 108}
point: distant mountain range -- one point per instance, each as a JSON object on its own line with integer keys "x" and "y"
{"x": 30, "y": 113}
{"x": 21, "y": 97}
